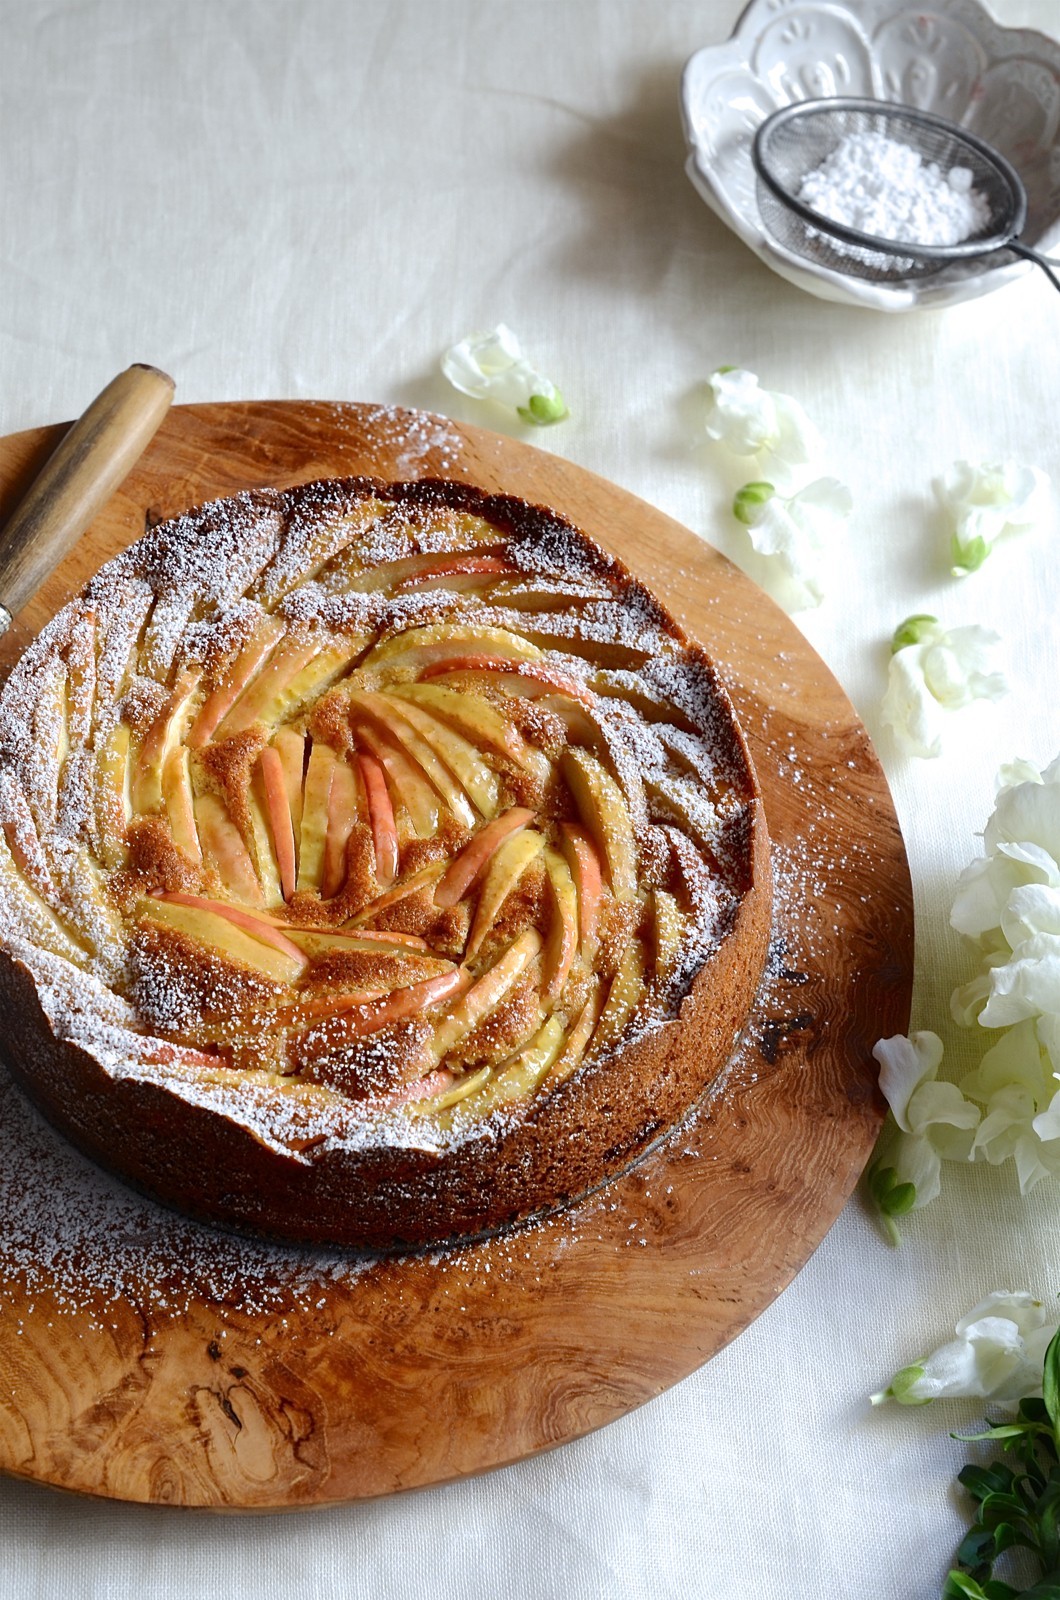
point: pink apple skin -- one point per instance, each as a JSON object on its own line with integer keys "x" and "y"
{"x": 217, "y": 704}
{"x": 466, "y": 868}
{"x": 343, "y": 809}
{"x": 584, "y": 862}
{"x": 360, "y": 1017}
{"x": 533, "y": 673}
{"x": 380, "y": 817}
{"x": 265, "y": 931}
{"x": 423, "y": 1089}
{"x": 278, "y": 806}
{"x": 443, "y": 566}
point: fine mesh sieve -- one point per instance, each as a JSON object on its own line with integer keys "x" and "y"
{"x": 794, "y": 141}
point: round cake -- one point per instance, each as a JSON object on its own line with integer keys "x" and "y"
{"x": 380, "y": 865}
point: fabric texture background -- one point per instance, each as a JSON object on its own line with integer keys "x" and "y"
{"x": 283, "y": 200}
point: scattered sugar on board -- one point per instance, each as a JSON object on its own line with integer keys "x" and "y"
{"x": 72, "y": 1233}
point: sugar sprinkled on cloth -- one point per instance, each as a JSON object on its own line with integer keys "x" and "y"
{"x": 884, "y": 187}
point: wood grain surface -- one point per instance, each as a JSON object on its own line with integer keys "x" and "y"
{"x": 349, "y": 1380}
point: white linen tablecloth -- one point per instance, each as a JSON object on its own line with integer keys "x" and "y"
{"x": 277, "y": 200}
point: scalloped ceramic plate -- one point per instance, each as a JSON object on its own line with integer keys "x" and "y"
{"x": 951, "y": 58}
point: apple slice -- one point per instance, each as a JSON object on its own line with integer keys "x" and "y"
{"x": 247, "y": 664}
{"x": 113, "y": 808}
{"x": 267, "y": 932}
{"x": 584, "y": 863}
{"x": 314, "y": 829}
{"x": 162, "y": 736}
{"x": 359, "y": 1018}
{"x": 278, "y": 807}
{"x": 417, "y": 796}
{"x": 344, "y": 809}
{"x": 265, "y": 689}
{"x": 290, "y": 747}
{"x": 265, "y": 861}
{"x": 465, "y": 869}
{"x": 220, "y": 933}
{"x": 519, "y": 1078}
{"x": 412, "y": 885}
{"x": 485, "y": 995}
{"x": 224, "y": 850}
{"x": 509, "y": 862}
{"x": 180, "y": 803}
{"x": 381, "y": 820}
{"x": 460, "y": 1090}
{"x": 435, "y": 1083}
{"x": 562, "y": 942}
{"x": 477, "y": 720}
{"x": 669, "y": 931}
{"x": 604, "y": 811}
{"x": 462, "y": 757}
{"x": 418, "y": 647}
{"x": 382, "y": 714}
{"x": 530, "y": 678}
{"x": 627, "y": 988}
{"x": 427, "y": 569}
{"x": 322, "y": 941}
{"x": 378, "y": 940}
{"x": 311, "y": 680}
{"x": 577, "y": 1040}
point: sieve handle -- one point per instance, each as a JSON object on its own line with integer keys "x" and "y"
{"x": 1024, "y": 250}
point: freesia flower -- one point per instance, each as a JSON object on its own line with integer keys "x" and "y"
{"x": 998, "y": 1354}
{"x": 983, "y": 501}
{"x": 752, "y": 421}
{"x": 934, "y": 672}
{"x": 934, "y": 1121}
{"x": 798, "y": 531}
{"x": 492, "y": 366}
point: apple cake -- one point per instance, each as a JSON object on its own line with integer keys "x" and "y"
{"x": 380, "y": 865}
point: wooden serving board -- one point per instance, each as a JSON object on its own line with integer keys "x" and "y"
{"x": 345, "y": 1381}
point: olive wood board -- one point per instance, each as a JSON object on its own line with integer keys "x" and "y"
{"x": 357, "y": 1380}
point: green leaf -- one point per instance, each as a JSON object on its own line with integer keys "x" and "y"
{"x": 1000, "y": 1430}
{"x": 981, "y": 1481}
{"x": 749, "y": 501}
{"x": 1051, "y": 1384}
{"x": 960, "y": 1586}
{"x": 968, "y": 557}
{"x": 977, "y": 1547}
{"x": 911, "y": 631}
{"x": 543, "y": 409}
{"x": 719, "y": 372}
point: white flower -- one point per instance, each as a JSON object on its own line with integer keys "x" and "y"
{"x": 1008, "y": 902}
{"x": 983, "y": 501}
{"x": 934, "y": 672}
{"x": 935, "y": 1120}
{"x": 492, "y": 366}
{"x": 752, "y": 421}
{"x": 799, "y": 531}
{"x": 1021, "y": 1121}
{"x": 998, "y": 1354}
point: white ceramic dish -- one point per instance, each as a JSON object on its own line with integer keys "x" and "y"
{"x": 949, "y": 57}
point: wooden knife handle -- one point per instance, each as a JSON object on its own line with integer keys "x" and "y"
{"x": 90, "y": 462}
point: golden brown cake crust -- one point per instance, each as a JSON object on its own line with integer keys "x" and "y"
{"x": 256, "y": 1079}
